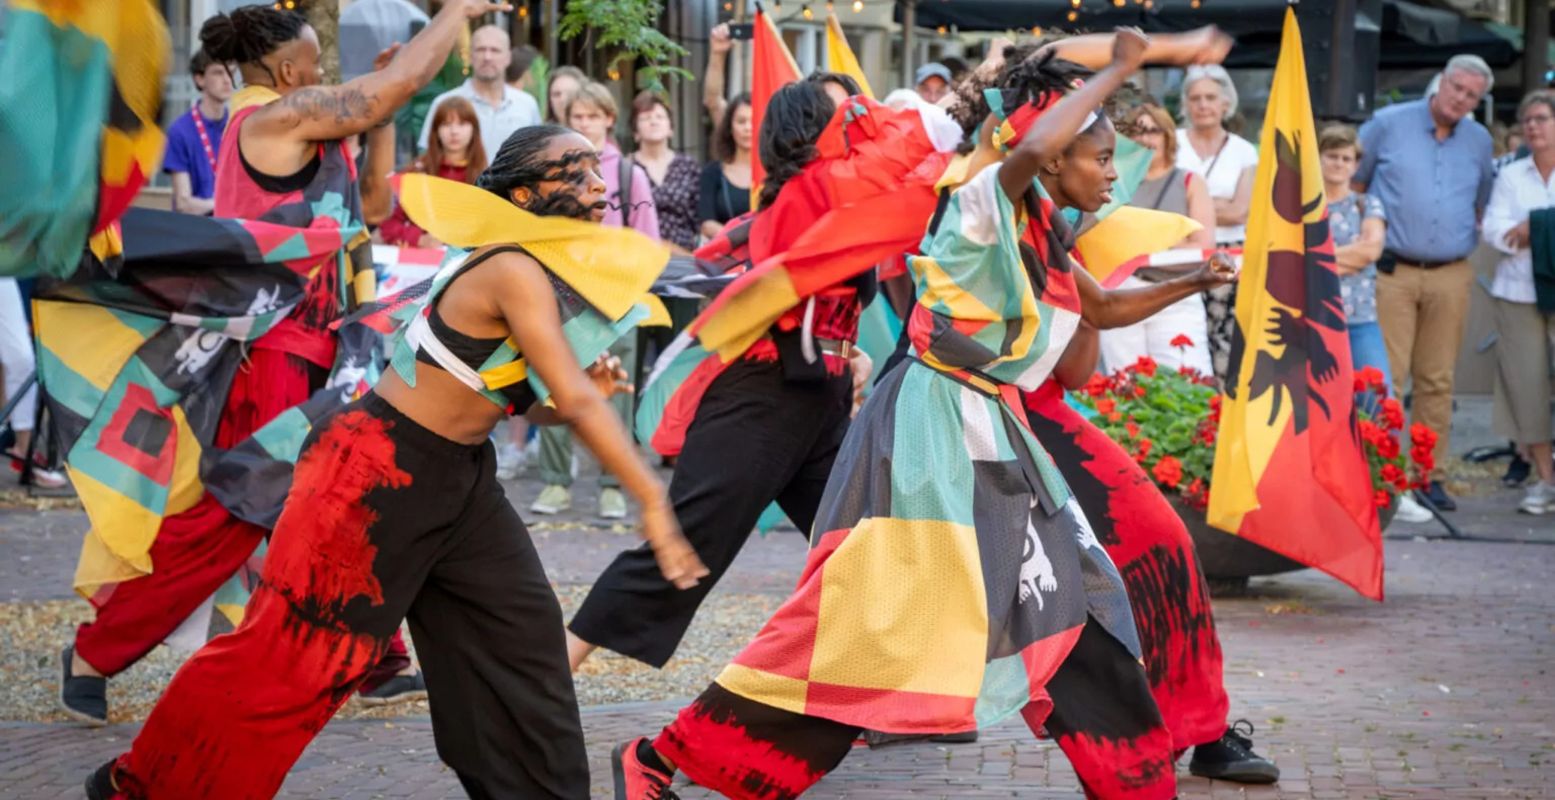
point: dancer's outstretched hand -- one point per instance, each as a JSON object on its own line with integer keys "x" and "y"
{"x": 609, "y": 376}
{"x": 1219, "y": 270}
{"x": 677, "y": 561}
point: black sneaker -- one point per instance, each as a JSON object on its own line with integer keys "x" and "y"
{"x": 1231, "y": 758}
{"x": 1517, "y": 472}
{"x": 83, "y": 697}
{"x": 1438, "y": 496}
{"x": 398, "y": 689}
{"x": 99, "y": 785}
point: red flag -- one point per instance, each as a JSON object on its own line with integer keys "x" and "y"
{"x": 772, "y": 67}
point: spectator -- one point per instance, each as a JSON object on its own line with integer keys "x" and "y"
{"x": 719, "y": 43}
{"x": 932, "y": 82}
{"x": 1358, "y": 223}
{"x": 501, "y": 108}
{"x": 18, "y": 364}
{"x": 564, "y": 83}
{"x": 726, "y": 181}
{"x": 1520, "y": 212}
{"x": 674, "y": 176}
{"x": 519, "y": 74}
{"x": 194, "y": 139}
{"x": 1167, "y": 187}
{"x": 1226, "y": 162}
{"x": 1429, "y": 163}
{"x": 591, "y": 111}
{"x": 455, "y": 152}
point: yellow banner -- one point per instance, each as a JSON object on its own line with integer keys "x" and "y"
{"x": 839, "y": 56}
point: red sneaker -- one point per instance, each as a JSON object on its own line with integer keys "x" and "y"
{"x": 636, "y": 780}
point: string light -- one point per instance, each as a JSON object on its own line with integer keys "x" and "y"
{"x": 1074, "y": 3}
{"x": 728, "y": 6}
{"x": 942, "y": 30}
{"x": 1121, "y": 3}
{"x": 807, "y": 13}
{"x": 1149, "y": 4}
{"x": 858, "y": 6}
{"x": 1195, "y": 3}
{"x": 1073, "y": 15}
{"x": 1036, "y": 30}
{"x": 523, "y": 11}
{"x": 614, "y": 74}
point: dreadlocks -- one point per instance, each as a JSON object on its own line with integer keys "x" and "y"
{"x": 519, "y": 163}
{"x": 1022, "y": 80}
{"x": 796, "y": 115}
{"x": 249, "y": 33}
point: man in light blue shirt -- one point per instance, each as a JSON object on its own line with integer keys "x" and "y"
{"x": 1429, "y": 163}
{"x": 500, "y": 108}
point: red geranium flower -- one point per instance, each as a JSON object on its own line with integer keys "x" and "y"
{"x": 1421, "y": 436}
{"x": 1369, "y": 431}
{"x": 1393, "y": 414}
{"x": 1145, "y": 366}
{"x": 1139, "y": 391}
{"x": 1358, "y": 386}
{"x": 1196, "y": 487}
{"x": 1096, "y": 386}
{"x": 1381, "y": 499}
{"x": 1181, "y": 340}
{"x": 1387, "y": 447}
{"x": 1391, "y": 473}
{"x": 1144, "y": 450}
{"x": 1106, "y": 406}
{"x": 1133, "y": 430}
{"x": 1372, "y": 377}
{"x": 1168, "y": 471}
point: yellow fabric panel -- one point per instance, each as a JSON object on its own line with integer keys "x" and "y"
{"x": 87, "y": 338}
{"x": 119, "y": 549}
{"x": 738, "y": 324}
{"x": 878, "y": 631}
{"x": 364, "y": 286}
{"x": 106, "y": 243}
{"x": 505, "y": 375}
{"x": 611, "y": 268}
{"x": 98, "y": 567}
{"x": 778, "y": 691}
{"x": 120, "y": 151}
{"x": 658, "y": 315}
{"x": 184, "y": 489}
{"x": 839, "y": 56}
{"x": 1247, "y": 438}
{"x": 232, "y": 611}
{"x": 1128, "y": 233}
{"x": 939, "y": 288}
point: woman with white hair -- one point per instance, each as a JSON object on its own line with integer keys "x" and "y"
{"x": 1226, "y": 162}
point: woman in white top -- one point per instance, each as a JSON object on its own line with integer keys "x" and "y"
{"x": 1226, "y": 162}
{"x": 1526, "y": 334}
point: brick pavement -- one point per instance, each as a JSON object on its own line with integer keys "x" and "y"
{"x": 1444, "y": 691}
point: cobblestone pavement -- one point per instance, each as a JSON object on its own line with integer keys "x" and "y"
{"x": 1444, "y": 691}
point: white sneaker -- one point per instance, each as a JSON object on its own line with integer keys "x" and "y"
{"x": 1410, "y": 511}
{"x": 1540, "y": 499}
{"x": 510, "y": 461}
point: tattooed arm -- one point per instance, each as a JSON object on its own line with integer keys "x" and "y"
{"x": 327, "y": 113}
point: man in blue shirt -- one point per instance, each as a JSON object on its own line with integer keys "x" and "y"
{"x": 194, "y": 139}
{"x": 1429, "y": 163}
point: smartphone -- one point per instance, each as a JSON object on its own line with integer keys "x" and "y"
{"x": 742, "y": 31}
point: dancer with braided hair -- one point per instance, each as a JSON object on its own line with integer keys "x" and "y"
{"x": 396, "y": 510}
{"x": 284, "y": 162}
{"x": 952, "y": 581}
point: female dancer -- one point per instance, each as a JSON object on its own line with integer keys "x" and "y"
{"x": 395, "y": 510}
{"x": 952, "y": 578}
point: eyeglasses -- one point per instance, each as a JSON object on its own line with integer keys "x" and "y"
{"x": 1140, "y": 131}
{"x": 1537, "y": 119}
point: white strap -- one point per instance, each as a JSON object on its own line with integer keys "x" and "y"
{"x": 420, "y": 337}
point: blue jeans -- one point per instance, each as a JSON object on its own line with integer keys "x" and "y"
{"x": 1367, "y": 350}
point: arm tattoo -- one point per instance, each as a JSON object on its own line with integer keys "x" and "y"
{"x": 342, "y": 105}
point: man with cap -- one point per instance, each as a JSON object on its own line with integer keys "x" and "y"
{"x": 932, "y": 82}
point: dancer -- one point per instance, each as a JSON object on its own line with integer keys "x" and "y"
{"x": 282, "y": 162}
{"x": 396, "y": 510}
{"x": 914, "y": 613}
{"x": 789, "y": 409}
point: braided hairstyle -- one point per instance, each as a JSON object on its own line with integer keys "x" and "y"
{"x": 1022, "y": 80}
{"x": 520, "y": 162}
{"x": 249, "y": 33}
{"x": 795, "y": 117}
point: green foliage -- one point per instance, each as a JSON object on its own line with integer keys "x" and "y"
{"x": 631, "y": 28}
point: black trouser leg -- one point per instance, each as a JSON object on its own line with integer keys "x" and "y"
{"x": 756, "y": 438}
{"x": 488, "y": 630}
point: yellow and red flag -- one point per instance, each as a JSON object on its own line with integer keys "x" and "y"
{"x": 772, "y": 67}
{"x": 1290, "y": 473}
{"x": 839, "y": 56}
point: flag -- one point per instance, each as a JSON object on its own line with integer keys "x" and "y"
{"x": 1290, "y": 473}
{"x": 839, "y": 56}
{"x": 1128, "y": 239}
{"x": 78, "y": 111}
{"x": 772, "y": 67}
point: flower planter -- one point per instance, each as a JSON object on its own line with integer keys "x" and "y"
{"x": 1228, "y": 560}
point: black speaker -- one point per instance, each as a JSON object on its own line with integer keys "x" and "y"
{"x": 1341, "y": 40}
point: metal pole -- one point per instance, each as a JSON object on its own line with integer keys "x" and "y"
{"x": 1536, "y": 44}
{"x": 909, "y": 40}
